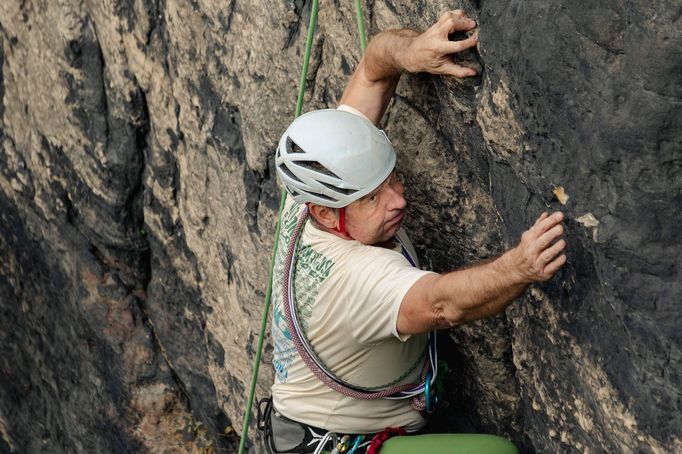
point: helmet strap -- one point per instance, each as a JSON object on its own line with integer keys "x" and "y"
{"x": 341, "y": 228}
{"x": 342, "y": 222}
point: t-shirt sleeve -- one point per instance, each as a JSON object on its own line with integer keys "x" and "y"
{"x": 353, "y": 110}
{"x": 379, "y": 282}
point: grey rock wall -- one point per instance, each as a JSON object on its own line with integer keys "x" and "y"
{"x": 138, "y": 203}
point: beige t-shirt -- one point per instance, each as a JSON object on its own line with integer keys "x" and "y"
{"x": 348, "y": 295}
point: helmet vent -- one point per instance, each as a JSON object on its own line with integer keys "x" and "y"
{"x": 289, "y": 173}
{"x": 293, "y": 147}
{"x": 322, "y": 196}
{"x": 341, "y": 190}
{"x": 317, "y": 167}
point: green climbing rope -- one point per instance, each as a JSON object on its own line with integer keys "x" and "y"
{"x": 268, "y": 294}
{"x": 263, "y": 325}
{"x": 361, "y": 25}
{"x": 306, "y": 58}
{"x": 283, "y": 197}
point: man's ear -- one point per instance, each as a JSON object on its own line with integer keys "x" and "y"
{"x": 325, "y": 216}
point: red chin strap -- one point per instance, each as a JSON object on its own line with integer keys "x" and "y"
{"x": 342, "y": 222}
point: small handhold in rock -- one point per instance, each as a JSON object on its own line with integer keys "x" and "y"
{"x": 561, "y": 195}
{"x": 589, "y": 221}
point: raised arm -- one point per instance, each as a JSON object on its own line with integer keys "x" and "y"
{"x": 392, "y": 52}
{"x": 443, "y": 301}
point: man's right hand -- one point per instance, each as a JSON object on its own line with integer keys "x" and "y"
{"x": 539, "y": 254}
{"x": 430, "y": 51}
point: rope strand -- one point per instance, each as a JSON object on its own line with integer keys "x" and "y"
{"x": 414, "y": 390}
{"x": 283, "y": 197}
{"x": 361, "y": 25}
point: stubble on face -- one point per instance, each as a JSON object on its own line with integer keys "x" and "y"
{"x": 381, "y": 233}
{"x": 373, "y": 224}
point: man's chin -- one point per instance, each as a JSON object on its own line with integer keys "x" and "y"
{"x": 391, "y": 230}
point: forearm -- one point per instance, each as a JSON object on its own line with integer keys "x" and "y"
{"x": 442, "y": 301}
{"x": 475, "y": 293}
{"x": 392, "y": 52}
{"x": 374, "y": 81}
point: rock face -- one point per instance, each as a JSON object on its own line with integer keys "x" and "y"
{"x": 138, "y": 203}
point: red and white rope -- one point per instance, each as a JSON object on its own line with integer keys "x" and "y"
{"x": 413, "y": 390}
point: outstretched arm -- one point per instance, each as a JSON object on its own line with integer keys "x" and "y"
{"x": 443, "y": 301}
{"x": 392, "y": 52}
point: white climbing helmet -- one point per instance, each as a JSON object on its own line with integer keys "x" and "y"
{"x": 332, "y": 158}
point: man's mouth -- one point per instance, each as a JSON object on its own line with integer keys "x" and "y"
{"x": 397, "y": 218}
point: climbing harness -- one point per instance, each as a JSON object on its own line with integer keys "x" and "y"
{"x": 417, "y": 392}
{"x": 295, "y": 437}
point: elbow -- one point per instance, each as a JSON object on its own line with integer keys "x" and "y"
{"x": 443, "y": 310}
{"x": 445, "y": 317}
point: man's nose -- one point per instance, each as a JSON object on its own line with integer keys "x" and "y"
{"x": 397, "y": 201}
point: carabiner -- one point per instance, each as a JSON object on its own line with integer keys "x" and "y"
{"x": 427, "y": 393}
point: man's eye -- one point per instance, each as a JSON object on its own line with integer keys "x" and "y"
{"x": 372, "y": 198}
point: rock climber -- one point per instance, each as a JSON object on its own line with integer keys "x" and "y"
{"x": 363, "y": 308}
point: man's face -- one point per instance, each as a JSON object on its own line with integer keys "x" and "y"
{"x": 377, "y": 216}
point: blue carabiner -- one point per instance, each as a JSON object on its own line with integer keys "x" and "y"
{"x": 356, "y": 444}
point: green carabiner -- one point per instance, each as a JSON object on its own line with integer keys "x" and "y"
{"x": 427, "y": 393}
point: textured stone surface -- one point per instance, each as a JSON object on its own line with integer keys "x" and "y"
{"x": 137, "y": 207}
